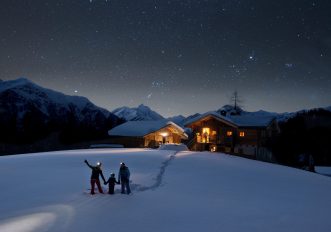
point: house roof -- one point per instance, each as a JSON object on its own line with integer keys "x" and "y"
{"x": 142, "y": 128}
{"x": 237, "y": 120}
{"x": 211, "y": 114}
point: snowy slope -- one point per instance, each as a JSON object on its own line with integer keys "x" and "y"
{"x": 182, "y": 121}
{"x": 228, "y": 111}
{"x": 141, "y": 113}
{"x": 177, "y": 119}
{"x": 43, "y": 98}
{"x": 281, "y": 117}
{"x": 184, "y": 192}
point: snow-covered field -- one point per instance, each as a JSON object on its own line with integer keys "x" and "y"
{"x": 186, "y": 191}
{"x": 323, "y": 170}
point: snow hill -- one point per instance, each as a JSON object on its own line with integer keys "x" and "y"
{"x": 228, "y": 110}
{"x": 144, "y": 113}
{"x": 177, "y": 119}
{"x": 21, "y": 96}
{"x": 141, "y": 113}
{"x": 184, "y": 191}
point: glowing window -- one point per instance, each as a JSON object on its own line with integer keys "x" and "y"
{"x": 213, "y": 133}
{"x": 229, "y": 133}
{"x": 206, "y": 130}
{"x": 205, "y": 134}
{"x": 241, "y": 133}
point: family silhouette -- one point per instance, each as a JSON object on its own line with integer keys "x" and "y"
{"x": 123, "y": 179}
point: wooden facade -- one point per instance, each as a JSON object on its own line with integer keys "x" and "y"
{"x": 214, "y": 133}
{"x": 147, "y": 134}
{"x": 164, "y": 135}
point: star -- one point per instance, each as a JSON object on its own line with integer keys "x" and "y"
{"x": 289, "y": 65}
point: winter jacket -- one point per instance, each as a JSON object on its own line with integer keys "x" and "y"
{"x": 96, "y": 172}
{"x": 111, "y": 181}
{"x": 124, "y": 173}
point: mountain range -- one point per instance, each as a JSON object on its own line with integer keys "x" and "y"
{"x": 35, "y": 119}
{"x": 27, "y": 108}
{"x": 21, "y": 97}
{"x": 143, "y": 112}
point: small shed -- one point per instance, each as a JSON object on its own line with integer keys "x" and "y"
{"x": 147, "y": 133}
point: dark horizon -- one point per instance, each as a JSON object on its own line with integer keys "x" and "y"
{"x": 177, "y": 57}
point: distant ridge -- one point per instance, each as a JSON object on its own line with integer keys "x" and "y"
{"x": 141, "y": 113}
{"x": 29, "y": 110}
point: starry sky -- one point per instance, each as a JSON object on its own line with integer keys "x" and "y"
{"x": 178, "y": 57}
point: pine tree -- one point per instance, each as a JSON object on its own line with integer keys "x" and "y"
{"x": 237, "y": 102}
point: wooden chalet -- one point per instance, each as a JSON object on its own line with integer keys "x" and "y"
{"x": 244, "y": 135}
{"x": 147, "y": 133}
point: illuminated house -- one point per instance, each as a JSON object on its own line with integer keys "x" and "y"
{"x": 147, "y": 133}
{"x": 241, "y": 134}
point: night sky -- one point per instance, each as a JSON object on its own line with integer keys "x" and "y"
{"x": 178, "y": 57}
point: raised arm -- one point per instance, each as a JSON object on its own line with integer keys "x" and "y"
{"x": 85, "y": 161}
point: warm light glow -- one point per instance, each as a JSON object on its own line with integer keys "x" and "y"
{"x": 229, "y": 133}
{"x": 206, "y": 130}
{"x": 241, "y": 133}
{"x": 31, "y": 222}
{"x": 213, "y": 149}
{"x": 205, "y": 134}
{"x": 164, "y": 134}
{"x": 198, "y": 137}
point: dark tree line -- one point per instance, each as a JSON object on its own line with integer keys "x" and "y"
{"x": 307, "y": 133}
{"x": 33, "y": 126}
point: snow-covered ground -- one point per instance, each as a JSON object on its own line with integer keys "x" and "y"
{"x": 186, "y": 191}
{"x": 323, "y": 170}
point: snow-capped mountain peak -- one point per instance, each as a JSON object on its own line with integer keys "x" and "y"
{"x": 141, "y": 113}
{"x": 227, "y": 110}
{"x": 17, "y": 97}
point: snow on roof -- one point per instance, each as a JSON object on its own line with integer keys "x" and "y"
{"x": 141, "y": 128}
{"x": 237, "y": 120}
{"x": 252, "y": 121}
{"x": 210, "y": 113}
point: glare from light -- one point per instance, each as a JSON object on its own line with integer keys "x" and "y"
{"x": 164, "y": 134}
{"x": 32, "y": 222}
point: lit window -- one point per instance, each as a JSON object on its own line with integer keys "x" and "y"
{"x": 198, "y": 137}
{"x": 229, "y": 133}
{"x": 205, "y": 134}
{"x": 206, "y": 130}
{"x": 213, "y": 133}
{"x": 241, "y": 133}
